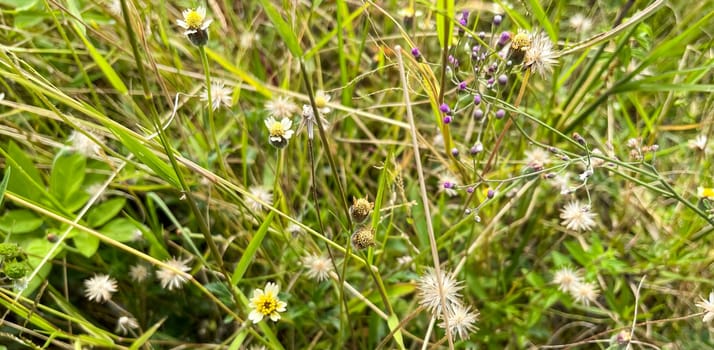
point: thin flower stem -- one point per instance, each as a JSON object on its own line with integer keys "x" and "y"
{"x": 203, "y": 225}
{"x": 422, "y": 192}
{"x": 326, "y": 144}
{"x": 521, "y": 93}
{"x": 344, "y": 308}
{"x": 211, "y": 118}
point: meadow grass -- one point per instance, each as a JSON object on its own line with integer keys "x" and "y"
{"x": 356, "y": 174}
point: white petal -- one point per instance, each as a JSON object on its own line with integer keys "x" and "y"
{"x": 255, "y": 316}
{"x": 275, "y": 317}
{"x": 272, "y": 288}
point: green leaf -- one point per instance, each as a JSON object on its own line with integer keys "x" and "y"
{"x": 67, "y": 175}
{"x": 20, "y": 221}
{"x": 444, "y": 22}
{"x": 543, "y": 19}
{"x": 251, "y": 249}
{"x": 284, "y": 30}
{"x": 102, "y": 63}
{"x": 146, "y": 156}
{"x": 145, "y": 337}
{"x": 26, "y": 180}
{"x": 20, "y": 5}
{"x": 86, "y": 244}
{"x": 121, "y": 229}
{"x": 100, "y": 214}
{"x": 36, "y": 250}
{"x": 73, "y": 9}
{"x": 3, "y": 184}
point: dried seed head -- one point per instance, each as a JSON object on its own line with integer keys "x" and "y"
{"x": 363, "y": 238}
{"x": 360, "y": 209}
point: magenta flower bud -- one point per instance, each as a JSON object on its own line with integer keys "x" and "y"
{"x": 416, "y": 53}
{"x": 490, "y": 193}
{"x": 504, "y": 38}
{"x": 500, "y": 114}
{"x": 470, "y": 190}
{"x": 448, "y": 185}
{"x": 444, "y": 108}
{"x": 462, "y": 86}
{"x": 502, "y": 79}
{"x": 477, "y": 99}
{"x": 489, "y": 82}
{"x": 497, "y": 19}
{"x": 447, "y": 119}
{"x": 455, "y": 152}
{"x": 478, "y": 113}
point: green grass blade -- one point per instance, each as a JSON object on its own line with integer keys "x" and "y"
{"x": 444, "y": 22}
{"x": 542, "y": 18}
{"x": 145, "y": 337}
{"x": 284, "y": 30}
{"x": 3, "y": 184}
{"x": 106, "y": 68}
{"x": 252, "y": 248}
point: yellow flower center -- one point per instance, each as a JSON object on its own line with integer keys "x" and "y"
{"x": 521, "y": 41}
{"x": 320, "y": 101}
{"x": 266, "y": 304}
{"x": 276, "y": 129}
{"x": 193, "y": 19}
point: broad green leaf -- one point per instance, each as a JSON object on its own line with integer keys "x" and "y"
{"x": 102, "y": 63}
{"x": 67, "y": 175}
{"x": 105, "y": 211}
{"x": 122, "y": 230}
{"x": 284, "y": 30}
{"x": 26, "y": 180}
{"x": 36, "y": 250}
{"x": 3, "y": 184}
{"x": 20, "y": 221}
{"x": 86, "y": 244}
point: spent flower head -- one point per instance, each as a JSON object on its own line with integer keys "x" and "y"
{"x": 429, "y": 291}
{"x": 584, "y": 292}
{"x": 566, "y": 279}
{"x": 265, "y": 303}
{"x": 318, "y": 267}
{"x": 220, "y": 94}
{"x": 126, "y": 324}
{"x": 309, "y": 121}
{"x": 83, "y": 144}
{"x": 260, "y": 193}
{"x": 577, "y": 216}
{"x": 461, "y": 321}
{"x": 360, "y": 209}
{"x": 708, "y": 306}
{"x": 171, "y": 279}
{"x": 699, "y": 143}
{"x": 100, "y": 288}
{"x": 279, "y": 131}
{"x": 540, "y": 56}
{"x": 280, "y": 107}
{"x": 139, "y": 273}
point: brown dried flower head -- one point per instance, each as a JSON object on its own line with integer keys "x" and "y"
{"x": 360, "y": 209}
{"x": 363, "y": 238}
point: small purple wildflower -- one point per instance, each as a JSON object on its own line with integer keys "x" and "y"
{"x": 478, "y": 113}
{"x": 500, "y": 114}
{"x": 416, "y": 53}
{"x": 470, "y": 190}
{"x": 504, "y": 38}
{"x": 490, "y": 193}
{"x": 477, "y": 99}
{"x": 447, "y": 119}
{"x": 455, "y": 152}
{"x": 502, "y": 79}
{"x": 444, "y": 108}
{"x": 462, "y": 86}
{"x": 497, "y": 19}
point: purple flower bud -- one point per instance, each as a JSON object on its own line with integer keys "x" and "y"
{"x": 470, "y": 190}
{"x": 462, "y": 86}
{"x": 502, "y": 79}
{"x": 448, "y": 185}
{"x": 478, "y": 113}
{"x": 504, "y": 38}
{"x": 478, "y": 147}
{"x": 444, "y": 108}
{"x": 447, "y": 119}
{"x": 489, "y": 81}
{"x": 463, "y": 21}
{"x": 416, "y": 53}
{"x": 455, "y": 152}
{"x": 477, "y": 99}
{"x": 500, "y": 114}
{"x": 482, "y": 35}
{"x": 497, "y": 19}
{"x": 490, "y": 193}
